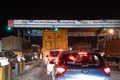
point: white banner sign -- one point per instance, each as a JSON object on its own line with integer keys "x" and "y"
{"x": 63, "y": 23}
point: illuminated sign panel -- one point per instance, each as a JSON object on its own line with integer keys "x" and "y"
{"x": 63, "y": 23}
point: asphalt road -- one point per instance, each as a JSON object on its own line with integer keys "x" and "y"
{"x": 38, "y": 72}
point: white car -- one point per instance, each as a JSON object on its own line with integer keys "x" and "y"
{"x": 3, "y": 60}
{"x": 51, "y": 58}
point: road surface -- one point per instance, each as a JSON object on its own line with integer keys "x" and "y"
{"x": 39, "y": 73}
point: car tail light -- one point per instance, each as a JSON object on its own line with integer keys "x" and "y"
{"x": 71, "y": 57}
{"x": 83, "y": 53}
{"x": 56, "y": 61}
{"x": 50, "y": 58}
{"x": 61, "y": 70}
{"x": 107, "y": 70}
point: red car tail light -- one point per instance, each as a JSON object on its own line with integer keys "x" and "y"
{"x": 83, "y": 53}
{"x": 50, "y": 58}
{"x": 71, "y": 57}
{"x": 60, "y": 70}
{"x": 56, "y": 61}
{"x": 107, "y": 70}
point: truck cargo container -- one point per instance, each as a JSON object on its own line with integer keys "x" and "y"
{"x": 54, "y": 40}
{"x": 111, "y": 49}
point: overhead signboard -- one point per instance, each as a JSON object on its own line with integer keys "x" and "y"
{"x": 62, "y": 23}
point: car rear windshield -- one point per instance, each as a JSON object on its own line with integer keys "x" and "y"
{"x": 54, "y": 53}
{"x": 83, "y": 60}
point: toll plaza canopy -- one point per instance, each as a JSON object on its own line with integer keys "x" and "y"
{"x": 63, "y": 23}
{"x": 74, "y": 27}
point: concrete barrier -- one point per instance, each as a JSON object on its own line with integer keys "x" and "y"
{"x": 2, "y": 73}
{"x": 19, "y": 67}
{"x": 6, "y": 72}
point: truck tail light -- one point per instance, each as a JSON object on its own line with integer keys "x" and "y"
{"x": 60, "y": 49}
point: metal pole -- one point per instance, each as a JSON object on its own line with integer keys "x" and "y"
{"x": 98, "y": 42}
{"x": 18, "y": 32}
{"x": 54, "y": 37}
{"x": 29, "y": 38}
